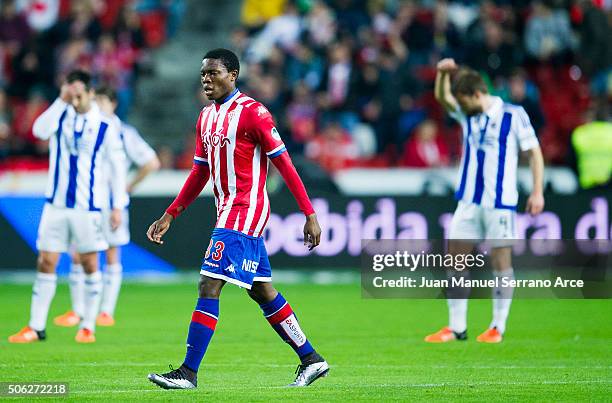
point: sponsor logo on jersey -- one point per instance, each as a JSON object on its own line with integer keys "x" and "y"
{"x": 215, "y": 139}
{"x": 230, "y": 268}
{"x": 275, "y": 134}
{"x": 206, "y": 262}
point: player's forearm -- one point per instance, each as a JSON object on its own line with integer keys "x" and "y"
{"x": 143, "y": 172}
{"x": 118, "y": 182}
{"x": 536, "y": 163}
{"x": 442, "y": 90}
{"x": 47, "y": 122}
{"x": 294, "y": 182}
{"x": 191, "y": 189}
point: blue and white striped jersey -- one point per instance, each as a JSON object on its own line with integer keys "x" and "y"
{"x": 491, "y": 142}
{"x": 79, "y": 147}
{"x": 137, "y": 151}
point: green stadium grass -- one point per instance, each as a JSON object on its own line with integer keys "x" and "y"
{"x": 555, "y": 350}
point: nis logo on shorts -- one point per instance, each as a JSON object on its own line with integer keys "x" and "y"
{"x": 215, "y": 139}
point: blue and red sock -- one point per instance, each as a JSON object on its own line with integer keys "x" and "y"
{"x": 201, "y": 330}
{"x": 282, "y": 318}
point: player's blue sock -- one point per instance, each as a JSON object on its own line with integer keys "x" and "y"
{"x": 280, "y": 315}
{"x": 201, "y": 329}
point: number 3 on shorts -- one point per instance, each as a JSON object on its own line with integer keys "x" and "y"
{"x": 218, "y": 250}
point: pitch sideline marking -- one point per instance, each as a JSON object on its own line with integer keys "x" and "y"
{"x": 384, "y": 385}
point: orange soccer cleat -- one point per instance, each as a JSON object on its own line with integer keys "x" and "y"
{"x": 445, "y": 335}
{"x": 85, "y": 336}
{"x": 105, "y": 319}
{"x": 491, "y": 335}
{"x": 69, "y": 319}
{"x": 27, "y": 335}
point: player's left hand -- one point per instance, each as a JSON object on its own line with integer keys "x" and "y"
{"x": 535, "y": 204}
{"x": 312, "y": 232}
{"x": 115, "y": 218}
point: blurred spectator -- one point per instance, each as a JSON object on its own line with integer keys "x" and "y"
{"x": 475, "y": 31}
{"x": 303, "y": 65}
{"x": 337, "y": 78}
{"x": 113, "y": 66}
{"x": 166, "y": 156}
{"x": 5, "y": 128}
{"x": 333, "y": 149}
{"x": 592, "y": 144}
{"x": 302, "y": 116}
{"x": 495, "y": 56}
{"x": 255, "y": 13}
{"x": 40, "y": 14}
{"x": 77, "y": 53}
{"x": 447, "y": 37}
{"x": 595, "y": 53}
{"x": 426, "y": 148}
{"x": 127, "y": 30}
{"x": 282, "y": 31}
{"x": 350, "y": 15}
{"x": 524, "y": 94}
{"x": 548, "y": 35}
{"x": 161, "y": 18}
{"x": 366, "y": 94}
{"x": 321, "y": 25}
{"x": 14, "y": 29}
{"x": 24, "y": 116}
{"x": 81, "y": 23}
{"x": 32, "y": 66}
{"x": 185, "y": 159}
{"x": 417, "y": 31}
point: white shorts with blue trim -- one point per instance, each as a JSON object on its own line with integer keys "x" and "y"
{"x": 62, "y": 227}
{"x": 120, "y": 236}
{"x": 473, "y": 222}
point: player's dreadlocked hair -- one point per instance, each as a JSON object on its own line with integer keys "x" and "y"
{"x": 227, "y": 57}
{"x": 467, "y": 82}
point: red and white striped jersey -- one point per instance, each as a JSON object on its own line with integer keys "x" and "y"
{"x": 236, "y": 138}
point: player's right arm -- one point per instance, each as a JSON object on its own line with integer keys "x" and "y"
{"x": 47, "y": 123}
{"x": 191, "y": 189}
{"x": 141, "y": 154}
{"x": 442, "y": 89}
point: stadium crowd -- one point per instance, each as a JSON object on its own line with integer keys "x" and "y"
{"x": 349, "y": 81}
{"x": 42, "y": 40}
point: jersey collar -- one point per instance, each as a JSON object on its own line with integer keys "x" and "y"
{"x": 229, "y": 97}
{"x": 495, "y": 106}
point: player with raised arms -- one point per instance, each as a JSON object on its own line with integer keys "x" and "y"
{"x": 82, "y": 140}
{"x": 235, "y": 139}
{"x": 494, "y": 132}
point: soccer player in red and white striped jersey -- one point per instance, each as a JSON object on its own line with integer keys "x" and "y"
{"x": 236, "y": 138}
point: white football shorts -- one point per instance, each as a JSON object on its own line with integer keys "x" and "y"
{"x": 473, "y": 222}
{"x": 120, "y": 236}
{"x": 62, "y": 227}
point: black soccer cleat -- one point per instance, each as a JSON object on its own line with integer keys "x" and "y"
{"x": 180, "y": 378}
